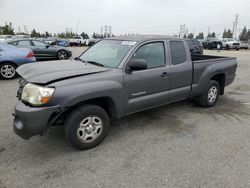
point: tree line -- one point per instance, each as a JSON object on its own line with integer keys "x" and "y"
{"x": 8, "y": 29}
{"x": 227, "y": 33}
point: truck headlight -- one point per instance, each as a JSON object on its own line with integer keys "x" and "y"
{"x": 36, "y": 95}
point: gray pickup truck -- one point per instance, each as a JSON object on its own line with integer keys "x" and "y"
{"x": 114, "y": 78}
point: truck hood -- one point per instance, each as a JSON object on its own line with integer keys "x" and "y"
{"x": 52, "y": 71}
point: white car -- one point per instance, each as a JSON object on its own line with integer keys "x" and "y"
{"x": 5, "y": 37}
{"x": 244, "y": 44}
{"x": 76, "y": 41}
{"x": 230, "y": 43}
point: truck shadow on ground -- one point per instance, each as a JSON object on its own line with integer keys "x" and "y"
{"x": 169, "y": 118}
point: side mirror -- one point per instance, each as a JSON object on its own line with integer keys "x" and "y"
{"x": 48, "y": 45}
{"x": 136, "y": 64}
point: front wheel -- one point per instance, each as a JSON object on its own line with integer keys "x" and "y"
{"x": 7, "y": 71}
{"x": 61, "y": 55}
{"x": 211, "y": 94}
{"x": 87, "y": 126}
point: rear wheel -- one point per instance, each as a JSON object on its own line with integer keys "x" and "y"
{"x": 7, "y": 71}
{"x": 211, "y": 94}
{"x": 87, "y": 126}
{"x": 62, "y": 54}
{"x": 227, "y": 47}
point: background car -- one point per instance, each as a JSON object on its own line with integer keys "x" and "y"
{"x": 5, "y": 37}
{"x": 244, "y": 45}
{"x": 91, "y": 42}
{"x": 42, "y": 50}
{"x": 12, "y": 57}
{"x": 230, "y": 43}
{"x": 212, "y": 43}
{"x": 195, "y": 46}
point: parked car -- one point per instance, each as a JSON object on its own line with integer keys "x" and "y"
{"x": 15, "y": 37}
{"x": 42, "y": 50}
{"x": 230, "y": 43}
{"x": 5, "y": 37}
{"x": 212, "y": 43}
{"x": 77, "y": 41}
{"x": 12, "y": 57}
{"x": 244, "y": 44}
{"x": 195, "y": 46}
{"x": 91, "y": 41}
{"x": 114, "y": 78}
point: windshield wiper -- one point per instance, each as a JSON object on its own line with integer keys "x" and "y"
{"x": 95, "y": 63}
{"x": 90, "y": 62}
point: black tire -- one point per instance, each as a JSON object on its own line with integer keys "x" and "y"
{"x": 11, "y": 67}
{"x": 62, "y": 55}
{"x": 205, "y": 100}
{"x": 227, "y": 47}
{"x": 77, "y": 118}
{"x": 237, "y": 49}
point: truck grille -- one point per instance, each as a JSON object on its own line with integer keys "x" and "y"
{"x": 236, "y": 44}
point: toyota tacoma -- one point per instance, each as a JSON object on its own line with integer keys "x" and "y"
{"x": 114, "y": 78}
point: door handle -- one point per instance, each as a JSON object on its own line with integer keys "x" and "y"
{"x": 164, "y": 74}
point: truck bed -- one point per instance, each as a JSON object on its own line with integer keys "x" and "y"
{"x": 205, "y": 65}
{"x": 206, "y": 57}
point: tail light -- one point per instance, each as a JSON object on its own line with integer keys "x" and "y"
{"x": 30, "y": 54}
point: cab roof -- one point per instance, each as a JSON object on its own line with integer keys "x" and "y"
{"x": 142, "y": 38}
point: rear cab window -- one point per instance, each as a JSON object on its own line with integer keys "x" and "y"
{"x": 178, "y": 52}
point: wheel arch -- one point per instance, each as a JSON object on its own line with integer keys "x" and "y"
{"x": 11, "y": 62}
{"x": 104, "y": 102}
{"x": 220, "y": 78}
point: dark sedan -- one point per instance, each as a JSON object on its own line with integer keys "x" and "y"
{"x": 195, "y": 46}
{"x": 42, "y": 50}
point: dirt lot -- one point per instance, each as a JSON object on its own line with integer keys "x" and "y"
{"x": 179, "y": 145}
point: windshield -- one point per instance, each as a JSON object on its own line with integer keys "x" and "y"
{"x": 109, "y": 53}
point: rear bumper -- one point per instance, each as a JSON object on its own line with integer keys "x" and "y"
{"x": 30, "y": 121}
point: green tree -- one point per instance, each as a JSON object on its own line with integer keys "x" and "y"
{"x": 227, "y": 34}
{"x": 213, "y": 34}
{"x": 243, "y": 35}
{"x": 85, "y": 35}
{"x": 190, "y": 36}
{"x": 61, "y": 35}
{"x": 185, "y": 36}
{"x": 7, "y": 29}
{"x": 200, "y": 36}
{"x": 47, "y": 34}
{"x": 33, "y": 33}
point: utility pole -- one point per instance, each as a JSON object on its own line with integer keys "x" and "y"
{"x": 77, "y": 25}
{"x": 101, "y": 31}
{"x": 105, "y": 31}
{"x": 110, "y": 30}
{"x": 235, "y": 25}
{"x": 182, "y": 30}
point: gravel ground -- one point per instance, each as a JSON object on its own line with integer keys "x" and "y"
{"x": 178, "y": 145}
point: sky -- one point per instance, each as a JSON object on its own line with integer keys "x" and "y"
{"x": 125, "y": 16}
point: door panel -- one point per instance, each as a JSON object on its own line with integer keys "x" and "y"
{"x": 150, "y": 87}
{"x": 41, "y": 50}
{"x": 181, "y": 71}
{"x": 146, "y": 89}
